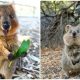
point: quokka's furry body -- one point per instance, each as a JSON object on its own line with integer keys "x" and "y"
{"x": 8, "y": 39}
{"x": 71, "y": 51}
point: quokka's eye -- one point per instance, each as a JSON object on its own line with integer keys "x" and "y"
{"x": 77, "y": 31}
{"x": 11, "y": 16}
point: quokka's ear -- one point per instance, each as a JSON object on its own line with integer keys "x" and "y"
{"x": 11, "y": 7}
{"x": 67, "y": 27}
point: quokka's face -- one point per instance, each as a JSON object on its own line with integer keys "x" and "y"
{"x": 72, "y": 35}
{"x": 8, "y": 21}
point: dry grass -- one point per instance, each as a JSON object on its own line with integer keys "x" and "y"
{"x": 51, "y": 65}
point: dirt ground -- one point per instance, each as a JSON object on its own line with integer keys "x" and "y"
{"x": 51, "y": 65}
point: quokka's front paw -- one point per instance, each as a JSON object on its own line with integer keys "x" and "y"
{"x": 3, "y": 51}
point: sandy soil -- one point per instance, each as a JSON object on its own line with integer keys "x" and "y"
{"x": 51, "y": 65}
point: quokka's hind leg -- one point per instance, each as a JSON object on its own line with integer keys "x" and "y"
{"x": 7, "y": 71}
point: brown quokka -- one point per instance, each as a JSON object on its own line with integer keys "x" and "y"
{"x": 71, "y": 51}
{"x": 8, "y": 39}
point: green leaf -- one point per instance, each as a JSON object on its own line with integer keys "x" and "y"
{"x": 22, "y": 49}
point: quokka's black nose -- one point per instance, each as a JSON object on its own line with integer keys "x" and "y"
{"x": 74, "y": 34}
{"x": 6, "y": 25}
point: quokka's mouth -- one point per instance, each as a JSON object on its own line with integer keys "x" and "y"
{"x": 5, "y": 32}
{"x": 73, "y": 37}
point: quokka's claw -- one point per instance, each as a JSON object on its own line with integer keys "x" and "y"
{"x": 2, "y": 77}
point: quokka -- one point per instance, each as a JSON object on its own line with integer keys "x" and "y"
{"x": 71, "y": 50}
{"x": 8, "y": 39}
